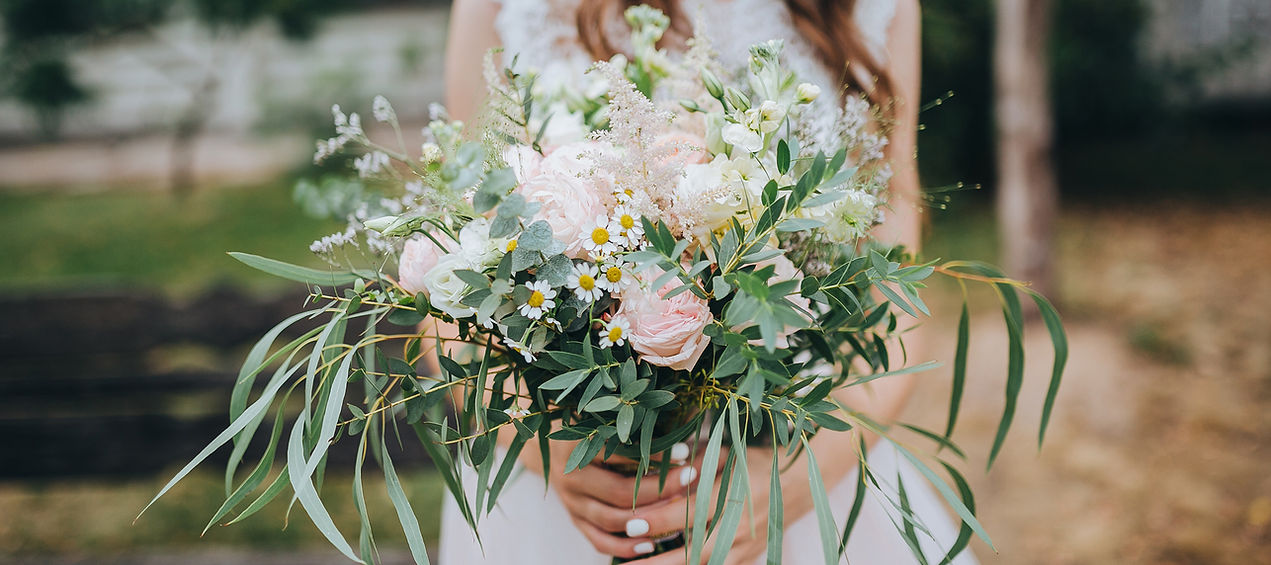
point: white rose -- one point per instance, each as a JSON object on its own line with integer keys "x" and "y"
{"x": 848, "y": 218}
{"x": 806, "y": 92}
{"x": 704, "y": 187}
{"x": 445, "y": 289}
{"x": 476, "y": 245}
{"x": 744, "y": 175}
{"x": 564, "y": 126}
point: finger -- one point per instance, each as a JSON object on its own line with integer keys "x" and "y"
{"x": 666, "y": 516}
{"x": 604, "y": 517}
{"x": 673, "y": 557}
{"x": 610, "y": 544}
{"x": 616, "y": 489}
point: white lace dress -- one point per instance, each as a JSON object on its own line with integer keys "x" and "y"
{"x": 530, "y": 526}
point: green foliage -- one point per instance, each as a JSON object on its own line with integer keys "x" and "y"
{"x": 127, "y": 238}
{"x": 41, "y": 35}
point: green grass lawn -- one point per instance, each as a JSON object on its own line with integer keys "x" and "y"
{"x": 151, "y": 240}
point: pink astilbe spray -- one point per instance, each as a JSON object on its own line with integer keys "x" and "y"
{"x": 645, "y": 171}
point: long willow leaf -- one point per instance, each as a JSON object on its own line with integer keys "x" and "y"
{"x": 308, "y": 496}
{"x": 964, "y": 532}
{"x": 858, "y": 501}
{"x": 1014, "y": 367}
{"x": 908, "y": 519}
{"x": 824, "y": 515}
{"x": 705, "y": 486}
{"x": 256, "y": 362}
{"x": 294, "y": 272}
{"x": 968, "y": 517}
{"x": 1060, "y": 341}
{"x": 776, "y": 512}
{"x": 256, "y": 408}
{"x": 366, "y": 537}
{"x": 959, "y": 367}
{"x": 410, "y": 524}
{"x": 257, "y": 476}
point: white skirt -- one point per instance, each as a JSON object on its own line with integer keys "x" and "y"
{"x": 530, "y": 526}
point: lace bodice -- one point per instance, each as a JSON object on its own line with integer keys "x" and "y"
{"x": 543, "y": 33}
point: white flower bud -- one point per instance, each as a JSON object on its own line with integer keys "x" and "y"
{"x": 380, "y": 224}
{"x": 431, "y": 152}
{"x": 807, "y": 92}
{"x": 382, "y": 110}
{"x": 736, "y": 99}
{"x": 713, "y": 86}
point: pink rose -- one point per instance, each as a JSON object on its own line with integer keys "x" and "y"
{"x": 570, "y": 193}
{"x": 418, "y": 257}
{"x": 686, "y": 148}
{"x": 666, "y": 332}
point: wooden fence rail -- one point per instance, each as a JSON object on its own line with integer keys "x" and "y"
{"x": 126, "y": 384}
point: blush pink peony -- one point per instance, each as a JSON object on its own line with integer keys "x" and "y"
{"x": 569, "y": 193}
{"x": 418, "y": 257}
{"x": 666, "y": 332}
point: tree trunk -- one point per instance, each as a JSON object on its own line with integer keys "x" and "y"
{"x": 1027, "y": 196}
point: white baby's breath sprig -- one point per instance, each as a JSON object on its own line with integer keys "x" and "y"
{"x": 382, "y": 110}
{"x": 370, "y": 163}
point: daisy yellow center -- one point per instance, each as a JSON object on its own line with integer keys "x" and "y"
{"x": 627, "y": 221}
{"x": 600, "y": 236}
{"x": 628, "y": 192}
{"x": 536, "y": 299}
{"x": 586, "y": 282}
{"x": 511, "y": 246}
{"x": 615, "y": 334}
{"x": 614, "y": 274}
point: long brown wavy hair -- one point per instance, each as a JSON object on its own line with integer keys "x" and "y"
{"x": 826, "y": 24}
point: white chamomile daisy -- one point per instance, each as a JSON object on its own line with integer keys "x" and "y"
{"x": 599, "y": 238}
{"x": 583, "y": 282}
{"x": 518, "y": 412}
{"x": 614, "y": 278}
{"x": 520, "y": 348}
{"x": 540, "y": 300}
{"x": 624, "y": 195}
{"x": 628, "y": 226}
{"x": 615, "y": 332}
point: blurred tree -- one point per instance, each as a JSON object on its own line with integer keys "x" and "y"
{"x": 41, "y": 35}
{"x": 1027, "y": 195}
{"x": 1101, "y": 83}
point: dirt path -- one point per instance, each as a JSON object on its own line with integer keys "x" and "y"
{"x": 1159, "y": 446}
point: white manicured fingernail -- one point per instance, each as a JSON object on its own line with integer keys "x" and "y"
{"x": 637, "y": 527}
{"x": 687, "y": 475}
{"x": 679, "y": 452}
{"x": 643, "y": 547}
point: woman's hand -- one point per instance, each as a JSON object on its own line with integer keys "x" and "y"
{"x": 599, "y": 501}
{"x": 751, "y": 540}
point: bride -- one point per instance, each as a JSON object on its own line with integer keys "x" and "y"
{"x": 586, "y": 517}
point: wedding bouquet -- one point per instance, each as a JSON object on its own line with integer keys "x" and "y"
{"x": 658, "y": 257}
